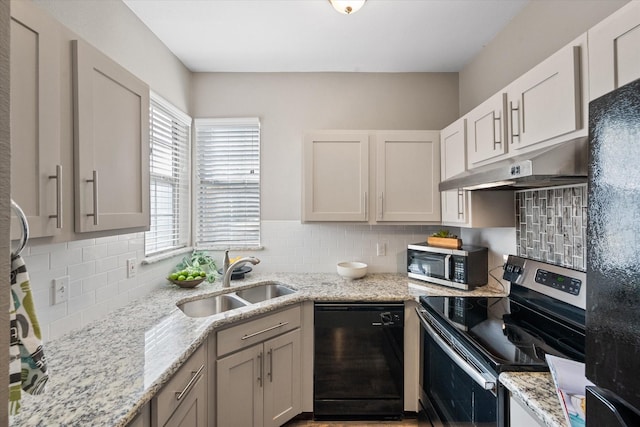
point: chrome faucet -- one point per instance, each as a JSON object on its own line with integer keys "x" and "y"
{"x": 226, "y": 278}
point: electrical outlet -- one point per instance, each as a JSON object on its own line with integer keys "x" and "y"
{"x": 60, "y": 290}
{"x": 381, "y": 249}
{"x": 132, "y": 268}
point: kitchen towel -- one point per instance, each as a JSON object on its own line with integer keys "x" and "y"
{"x": 27, "y": 363}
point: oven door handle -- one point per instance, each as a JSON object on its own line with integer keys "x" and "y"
{"x": 483, "y": 379}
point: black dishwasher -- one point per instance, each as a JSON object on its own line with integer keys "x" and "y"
{"x": 358, "y": 361}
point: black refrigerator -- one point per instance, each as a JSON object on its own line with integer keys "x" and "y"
{"x": 613, "y": 260}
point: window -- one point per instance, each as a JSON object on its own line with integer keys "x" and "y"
{"x": 170, "y": 132}
{"x": 227, "y": 183}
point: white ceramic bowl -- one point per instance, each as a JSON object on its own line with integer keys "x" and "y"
{"x": 352, "y": 270}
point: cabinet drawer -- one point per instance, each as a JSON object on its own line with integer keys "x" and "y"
{"x": 166, "y": 401}
{"x": 258, "y": 330}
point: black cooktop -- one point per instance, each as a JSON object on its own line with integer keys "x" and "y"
{"x": 511, "y": 333}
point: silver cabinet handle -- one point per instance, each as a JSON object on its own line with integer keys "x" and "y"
{"x": 270, "y": 373}
{"x": 366, "y": 206}
{"x": 460, "y": 203}
{"x": 58, "y": 178}
{"x": 381, "y": 208}
{"x": 260, "y": 369}
{"x": 279, "y": 325}
{"x": 483, "y": 379}
{"x": 497, "y": 130}
{"x": 513, "y": 122}
{"x": 194, "y": 379}
{"x": 95, "y": 197}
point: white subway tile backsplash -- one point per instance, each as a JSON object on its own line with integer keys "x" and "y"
{"x": 92, "y": 253}
{"x": 98, "y": 276}
{"x": 83, "y": 270}
{"x": 65, "y": 257}
{"x": 37, "y": 262}
{"x": 106, "y": 264}
{"x": 117, "y": 248}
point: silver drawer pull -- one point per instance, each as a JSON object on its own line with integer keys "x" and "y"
{"x": 194, "y": 379}
{"x": 260, "y": 369}
{"x": 279, "y": 325}
{"x": 58, "y": 178}
{"x": 94, "y": 180}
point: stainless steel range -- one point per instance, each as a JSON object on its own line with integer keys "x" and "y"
{"x": 468, "y": 341}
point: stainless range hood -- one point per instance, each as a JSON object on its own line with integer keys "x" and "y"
{"x": 562, "y": 164}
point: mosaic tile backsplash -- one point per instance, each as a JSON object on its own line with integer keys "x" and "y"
{"x": 551, "y": 225}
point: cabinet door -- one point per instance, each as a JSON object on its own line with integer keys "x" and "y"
{"x": 184, "y": 397}
{"x": 614, "y": 52}
{"x": 408, "y": 174}
{"x": 36, "y": 171}
{"x": 240, "y": 388}
{"x": 282, "y": 386}
{"x": 111, "y": 144}
{"x": 453, "y": 147}
{"x": 192, "y": 412}
{"x": 487, "y": 131}
{"x": 546, "y": 102}
{"x": 143, "y": 419}
{"x": 335, "y": 177}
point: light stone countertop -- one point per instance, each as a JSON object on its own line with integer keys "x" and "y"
{"x": 536, "y": 390}
{"x": 104, "y": 373}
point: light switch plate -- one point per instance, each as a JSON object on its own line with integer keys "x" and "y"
{"x": 132, "y": 268}
{"x": 60, "y": 290}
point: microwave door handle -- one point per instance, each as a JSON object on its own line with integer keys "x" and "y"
{"x": 447, "y": 267}
{"x": 483, "y": 379}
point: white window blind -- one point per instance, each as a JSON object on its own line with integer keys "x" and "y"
{"x": 227, "y": 184}
{"x": 170, "y": 132}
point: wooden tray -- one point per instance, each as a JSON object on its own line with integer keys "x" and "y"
{"x": 445, "y": 242}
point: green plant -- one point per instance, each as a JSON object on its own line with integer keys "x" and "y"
{"x": 444, "y": 234}
{"x": 198, "y": 261}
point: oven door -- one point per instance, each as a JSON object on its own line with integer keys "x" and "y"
{"x": 455, "y": 390}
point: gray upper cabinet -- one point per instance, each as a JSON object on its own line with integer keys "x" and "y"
{"x": 36, "y": 169}
{"x": 407, "y": 176}
{"x": 614, "y": 51}
{"x": 547, "y": 105}
{"x": 335, "y": 180}
{"x": 111, "y": 143}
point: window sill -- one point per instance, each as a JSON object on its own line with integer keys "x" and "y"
{"x": 230, "y": 248}
{"x": 166, "y": 255}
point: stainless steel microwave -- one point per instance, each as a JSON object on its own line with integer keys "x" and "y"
{"x": 464, "y": 268}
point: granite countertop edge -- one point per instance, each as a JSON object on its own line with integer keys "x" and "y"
{"x": 536, "y": 391}
{"x": 98, "y": 379}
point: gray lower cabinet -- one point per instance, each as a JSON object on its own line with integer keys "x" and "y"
{"x": 183, "y": 400}
{"x": 260, "y": 385}
{"x": 143, "y": 419}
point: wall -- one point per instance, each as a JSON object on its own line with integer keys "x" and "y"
{"x": 5, "y": 181}
{"x": 290, "y": 103}
{"x": 540, "y": 29}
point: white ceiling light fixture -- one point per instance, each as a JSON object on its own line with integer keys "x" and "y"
{"x": 347, "y": 6}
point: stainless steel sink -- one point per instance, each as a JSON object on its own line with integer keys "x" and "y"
{"x": 213, "y": 305}
{"x": 264, "y": 292}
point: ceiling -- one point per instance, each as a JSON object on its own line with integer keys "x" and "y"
{"x": 309, "y": 35}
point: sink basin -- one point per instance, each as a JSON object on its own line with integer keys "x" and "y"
{"x": 264, "y": 292}
{"x": 213, "y": 305}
